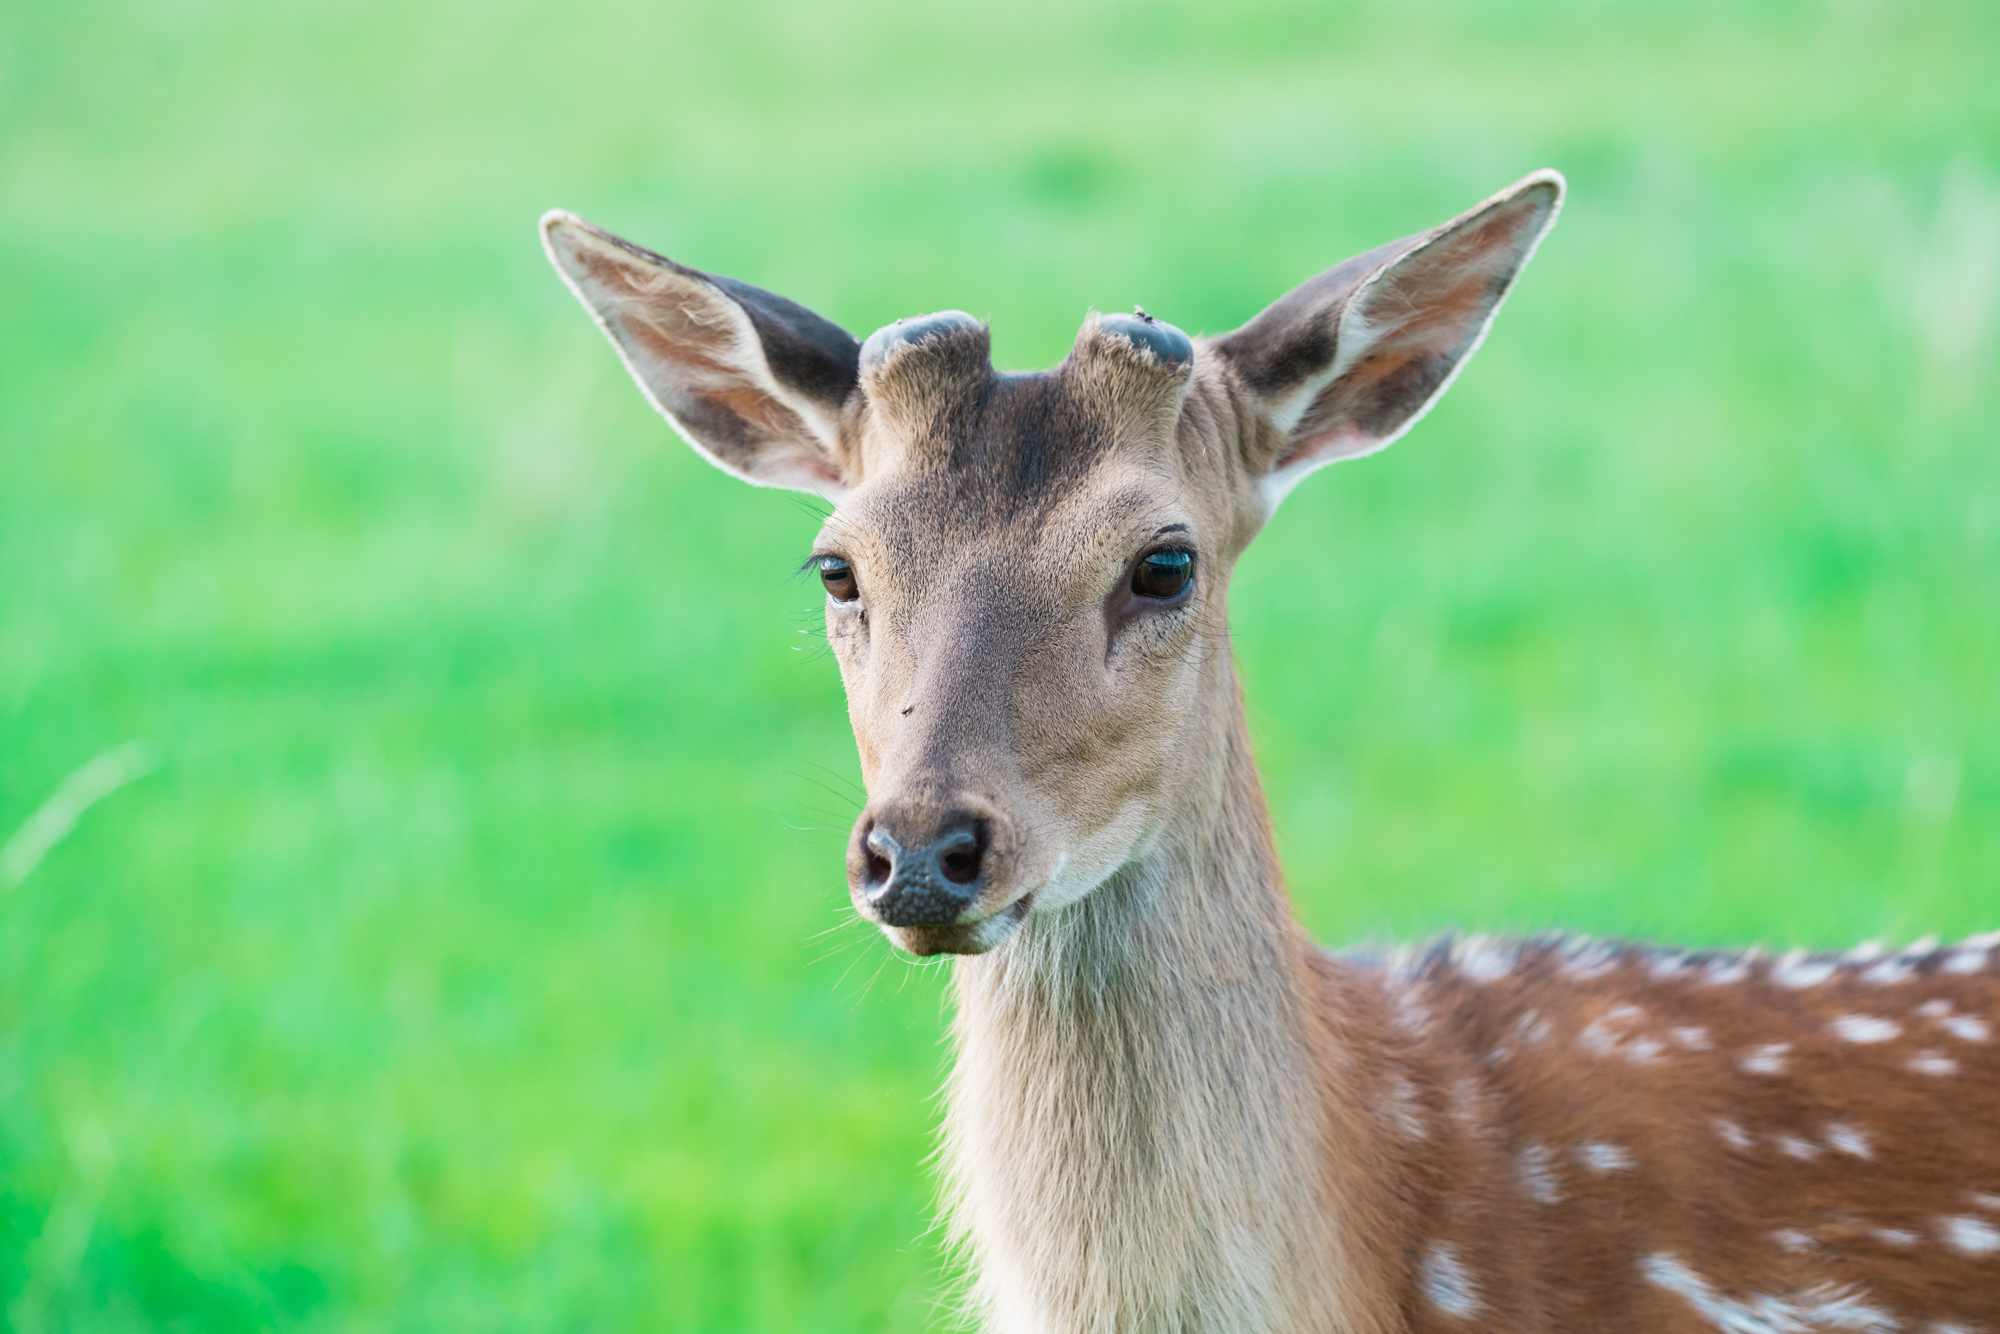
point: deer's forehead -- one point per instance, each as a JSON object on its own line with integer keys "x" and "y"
{"x": 926, "y": 524}
{"x": 1007, "y": 440}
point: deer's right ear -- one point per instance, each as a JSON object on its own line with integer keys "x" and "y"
{"x": 758, "y": 384}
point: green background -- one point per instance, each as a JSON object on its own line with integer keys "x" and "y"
{"x": 477, "y": 957}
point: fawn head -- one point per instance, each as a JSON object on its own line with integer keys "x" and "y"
{"x": 1025, "y": 573}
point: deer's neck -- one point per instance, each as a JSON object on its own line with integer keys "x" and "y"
{"x": 1137, "y": 1131}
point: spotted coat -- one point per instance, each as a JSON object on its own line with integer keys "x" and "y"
{"x": 1598, "y": 1136}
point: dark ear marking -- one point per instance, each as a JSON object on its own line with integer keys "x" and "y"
{"x": 806, "y": 351}
{"x": 1345, "y": 363}
{"x": 1292, "y": 339}
{"x": 759, "y": 385}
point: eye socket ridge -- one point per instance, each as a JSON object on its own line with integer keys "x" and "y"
{"x": 838, "y": 577}
{"x": 1164, "y": 575}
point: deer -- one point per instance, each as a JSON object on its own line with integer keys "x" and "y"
{"x": 1169, "y": 1110}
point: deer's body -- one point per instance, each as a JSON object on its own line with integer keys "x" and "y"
{"x": 1169, "y": 1111}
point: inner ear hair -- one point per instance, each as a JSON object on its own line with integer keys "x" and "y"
{"x": 758, "y": 384}
{"x": 1345, "y": 363}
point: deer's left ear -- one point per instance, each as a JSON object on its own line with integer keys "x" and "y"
{"x": 1342, "y": 365}
{"x": 758, "y": 384}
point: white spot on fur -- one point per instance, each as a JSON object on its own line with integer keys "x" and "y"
{"x": 1597, "y": 1039}
{"x": 1967, "y": 1028}
{"x": 1409, "y": 1013}
{"x": 1950, "y": 1327}
{"x": 1447, "y": 1283}
{"x": 1469, "y": 1104}
{"x": 1403, "y": 1108}
{"x": 1735, "y": 1136}
{"x": 1849, "y": 1140}
{"x": 1895, "y": 968}
{"x": 1538, "y": 1177}
{"x": 1665, "y": 966}
{"x": 1802, "y": 1149}
{"x": 1644, "y": 1051}
{"x": 1588, "y": 959}
{"x": 1692, "y": 1039}
{"x": 1820, "y": 1308}
{"x": 1930, "y": 1063}
{"x": 1964, "y": 960}
{"x": 1973, "y": 1237}
{"x": 1798, "y": 970}
{"x": 1732, "y": 968}
{"x": 1601, "y": 1157}
{"x": 1983, "y": 1200}
{"x": 1768, "y": 1059}
{"x": 1531, "y": 1028}
{"x": 1794, "y": 1241}
{"x": 1894, "y": 1236}
{"x": 1603, "y": 1038}
{"x": 1969, "y": 1236}
{"x": 1865, "y": 1028}
{"x": 1484, "y": 959}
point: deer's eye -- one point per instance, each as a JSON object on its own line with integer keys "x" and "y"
{"x": 838, "y": 576}
{"x": 1164, "y": 575}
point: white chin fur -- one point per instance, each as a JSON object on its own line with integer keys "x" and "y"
{"x": 994, "y": 931}
{"x": 1097, "y": 858}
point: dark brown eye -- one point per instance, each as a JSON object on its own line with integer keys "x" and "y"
{"x": 838, "y": 576}
{"x": 1164, "y": 575}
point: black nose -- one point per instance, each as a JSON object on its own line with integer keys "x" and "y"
{"x": 927, "y": 885}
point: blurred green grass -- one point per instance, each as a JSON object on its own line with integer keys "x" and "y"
{"x": 476, "y": 958}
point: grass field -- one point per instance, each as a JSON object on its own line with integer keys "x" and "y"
{"x": 475, "y": 957}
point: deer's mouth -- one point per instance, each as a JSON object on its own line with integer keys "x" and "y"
{"x": 977, "y": 937}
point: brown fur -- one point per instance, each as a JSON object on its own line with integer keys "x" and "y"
{"x": 1170, "y": 1112}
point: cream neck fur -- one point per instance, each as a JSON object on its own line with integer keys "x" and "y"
{"x": 1134, "y": 1137}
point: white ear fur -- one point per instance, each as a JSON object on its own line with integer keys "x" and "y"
{"x": 699, "y": 360}
{"x": 1378, "y": 316}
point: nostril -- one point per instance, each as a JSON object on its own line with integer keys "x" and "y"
{"x": 876, "y": 863}
{"x": 959, "y": 855}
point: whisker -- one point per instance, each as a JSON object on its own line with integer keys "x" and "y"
{"x": 826, "y": 787}
{"x": 860, "y": 792}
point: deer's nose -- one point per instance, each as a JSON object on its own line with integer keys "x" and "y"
{"x": 927, "y": 877}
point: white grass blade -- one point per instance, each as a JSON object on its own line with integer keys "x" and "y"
{"x": 102, "y": 775}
